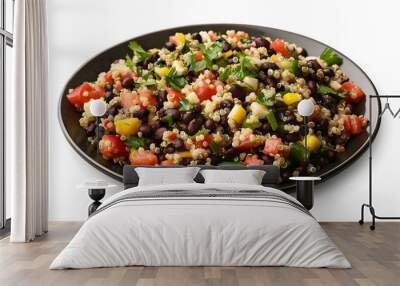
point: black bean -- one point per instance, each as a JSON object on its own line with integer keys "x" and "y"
{"x": 196, "y": 108}
{"x": 197, "y": 36}
{"x": 174, "y": 113}
{"x": 270, "y": 81}
{"x": 185, "y": 161}
{"x": 91, "y": 129}
{"x": 161, "y": 112}
{"x": 226, "y": 46}
{"x": 230, "y": 153}
{"x": 220, "y": 129}
{"x": 155, "y": 125}
{"x": 141, "y": 113}
{"x": 287, "y": 116}
{"x": 329, "y": 101}
{"x": 304, "y": 52}
{"x": 313, "y": 64}
{"x": 224, "y": 122}
{"x": 210, "y": 124}
{"x": 127, "y": 82}
{"x": 170, "y": 46}
{"x": 265, "y": 128}
{"x": 329, "y": 72}
{"x": 226, "y": 103}
{"x": 148, "y": 142}
{"x": 261, "y": 42}
{"x": 267, "y": 160}
{"x": 194, "y": 126}
{"x": 178, "y": 144}
{"x": 108, "y": 87}
{"x": 322, "y": 125}
{"x": 312, "y": 85}
{"x": 169, "y": 149}
{"x": 215, "y": 160}
{"x": 182, "y": 126}
{"x": 280, "y": 105}
{"x": 158, "y": 135}
{"x": 113, "y": 110}
{"x": 268, "y": 65}
{"x": 161, "y": 157}
{"x": 108, "y": 95}
{"x": 271, "y": 52}
{"x": 190, "y": 77}
{"x": 331, "y": 155}
{"x": 162, "y": 95}
{"x": 187, "y": 117}
{"x": 280, "y": 87}
{"x": 146, "y": 130}
{"x": 238, "y": 92}
{"x": 292, "y": 137}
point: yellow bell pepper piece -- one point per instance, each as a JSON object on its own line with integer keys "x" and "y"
{"x": 313, "y": 143}
{"x": 237, "y": 114}
{"x": 180, "y": 39}
{"x": 163, "y": 71}
{"x": 228, "y": 54}
{"x": 128, "y": 126}
{"x": 185, "y": 154}
{"x": 291, "y": 98}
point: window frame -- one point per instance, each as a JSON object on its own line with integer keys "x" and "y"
{"x": 6, "y": 39}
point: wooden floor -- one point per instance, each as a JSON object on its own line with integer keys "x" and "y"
{"x": 375, "y": 257}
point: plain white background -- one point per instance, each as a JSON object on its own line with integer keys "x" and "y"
{"x": 363, "y": 30}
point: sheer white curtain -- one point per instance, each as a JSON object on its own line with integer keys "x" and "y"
{"x": 26, "y": 116}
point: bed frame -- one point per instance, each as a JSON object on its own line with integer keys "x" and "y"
{"x": 271, "y": 178}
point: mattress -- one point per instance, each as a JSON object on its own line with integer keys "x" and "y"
{"x": 201, "y": 225}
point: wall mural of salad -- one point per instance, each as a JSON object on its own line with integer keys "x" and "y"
{"x": 222, "y": 98}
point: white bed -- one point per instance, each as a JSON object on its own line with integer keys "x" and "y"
{"x": 267, "y": 229}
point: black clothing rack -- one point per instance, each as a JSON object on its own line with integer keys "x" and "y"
{"x": 370, "y": 203}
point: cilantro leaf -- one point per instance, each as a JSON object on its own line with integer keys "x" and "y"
{"x": 202, "y": 131}
{"x": 175, "y": 81}
{"x": 266, "y": 97}
{"x": 140, "y": 53}
{"x": 168, "y": 119}
{"x": 323, "y": 89}
{"x": 214, "y": 147}
{"x": 185, "y": 105}
{"x": 135, "y": 142}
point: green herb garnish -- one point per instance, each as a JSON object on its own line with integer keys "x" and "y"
{"x": 330, "y": 57}
{"x": 140, "y": 53}
{"x": 272, "y": 119}
{"x": 175, "y": 81}
{"x": 135, "y": 142}
{"x": 266, "y": 97}
{"x": 168, "y": 119}
{"x": 214, "y": 147}
{"x": 185, "y": 105}
{"x": 323, "y": 89}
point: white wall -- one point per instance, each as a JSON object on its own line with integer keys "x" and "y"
{"x": 365, "y": 32}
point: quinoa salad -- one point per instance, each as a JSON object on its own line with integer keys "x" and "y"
{"x": 211, "y": 98}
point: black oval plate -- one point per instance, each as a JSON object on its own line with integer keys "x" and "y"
{"x": 69, "y": 117}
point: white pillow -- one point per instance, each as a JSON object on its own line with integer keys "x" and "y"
{"x": 166, "y": 176}
{"x": 248, "y": 177}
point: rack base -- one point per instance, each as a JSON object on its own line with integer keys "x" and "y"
{"x": 374, "y": 216}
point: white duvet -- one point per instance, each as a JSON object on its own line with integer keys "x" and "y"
{"x": 200, "y": 231}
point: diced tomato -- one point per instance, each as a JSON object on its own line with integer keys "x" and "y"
{"x": 198, "y": 56}
{"x": 174, "y": 95}
{"x": 147, "y": 98}
{"x": 127, "y": 99}
{"x": 353, "y": 124}
{"x": 204, "y": 91}
{"x": 209, "y": 75}
{"x": 171, "y": 136}
{"x": 168, "y": 163}
{"x": 271, "y": 146}
{"x": 354, "y": 92}
{"x": 172, "y": 39}
{"x": 204, "y": 143}
{"x": 111, "y": 147}
{"x": 246, "y": 145}
{"x": 108, "y": 124}
{"x": 279, "y": 47}
{"x": 84, "y": 93}
{"x": 142, "y": 157}
{"x": 252, "y": 160}
{"x": 109, "y": 77}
